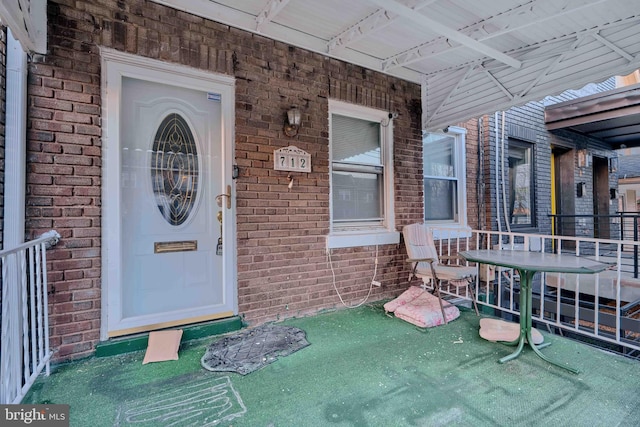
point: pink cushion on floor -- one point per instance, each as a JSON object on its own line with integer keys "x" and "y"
{"x": 424, "y": 311}
{"x": 407, "y": 296}
{"x": 417, "y": 306}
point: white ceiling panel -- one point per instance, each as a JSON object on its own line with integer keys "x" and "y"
{"x": 27, "y": 20}
{"x": 472, "y": 57}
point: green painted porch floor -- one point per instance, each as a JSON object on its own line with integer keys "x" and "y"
{"x": 361, "y": 369}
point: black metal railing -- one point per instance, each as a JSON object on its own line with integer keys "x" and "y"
{"x": 619, "y": 226}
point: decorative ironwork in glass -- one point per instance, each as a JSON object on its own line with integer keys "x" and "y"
{"x": 174, "y": 169}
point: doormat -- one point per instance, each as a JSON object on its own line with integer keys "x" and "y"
{"x": 253, "y": 349}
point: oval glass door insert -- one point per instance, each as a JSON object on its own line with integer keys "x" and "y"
{"x": 174, "y": 169}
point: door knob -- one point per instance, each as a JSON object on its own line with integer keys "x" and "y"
{"x": 219, "y": 198}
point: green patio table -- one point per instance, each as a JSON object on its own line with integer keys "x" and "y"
{"x": 527, "y": 264}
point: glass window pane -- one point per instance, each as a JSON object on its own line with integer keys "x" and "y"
{"x": 520, "y": 179}
{"x": 440, "y": 199}
{"x": 355, "y": 140}
{"x": 356, "y": 196}
{"x": 439, "y": 155}
{"x": 174, "y": 169}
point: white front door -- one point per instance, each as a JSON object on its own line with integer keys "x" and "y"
{"x": 170, "y": 267}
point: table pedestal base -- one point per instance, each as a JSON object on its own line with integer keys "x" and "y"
{"x": 526, "y": 303}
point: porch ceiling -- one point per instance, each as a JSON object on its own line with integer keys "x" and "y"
{"x": 27, "y": 21}
{"x": 470, "y": 57}
{"x": 612, "y": 116}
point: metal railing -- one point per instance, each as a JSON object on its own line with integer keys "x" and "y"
{"x": 24, "y": 351}
{"x": 603, "y": 308}
{"x": 621, "y": 226}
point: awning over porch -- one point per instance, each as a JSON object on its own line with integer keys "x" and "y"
{"x": 612, "y": 116}
{"x": 471, "y": 57}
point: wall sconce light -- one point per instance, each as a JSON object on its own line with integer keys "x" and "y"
{"x": 584, "y": 158}
{"x": 292, "y": 122}
{"x": 581, "y": 189}
{"x": 613, "y": 193}
{"x": 613, "y": 164}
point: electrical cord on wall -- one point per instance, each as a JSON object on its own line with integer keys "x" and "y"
{"x": 333, "y": 275}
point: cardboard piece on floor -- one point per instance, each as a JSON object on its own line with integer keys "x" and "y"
{"x": 163, "y": 345}
{"x": 499, "y": 330}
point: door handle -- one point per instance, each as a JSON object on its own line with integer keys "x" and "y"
{"x": 227, "y": 195}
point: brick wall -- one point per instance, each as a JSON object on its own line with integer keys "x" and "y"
{"x": 524, "y": 123}
{"x": 472, "y": 157}
{"x": 585, "y": 205}
{"x": 282, "y": 266}
{"x": 64, "y": 172}
{"x": 528, "y": 120}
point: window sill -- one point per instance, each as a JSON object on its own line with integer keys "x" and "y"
{"x": 350, "y": 239}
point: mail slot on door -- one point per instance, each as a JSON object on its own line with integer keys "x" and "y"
{"x": 180, "y": 246}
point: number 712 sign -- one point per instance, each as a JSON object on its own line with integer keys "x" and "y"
{"x": 291, "y": 158}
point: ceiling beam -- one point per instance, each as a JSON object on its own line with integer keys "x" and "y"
{"x": 376, "y": 21}
{"x": 541, "y": 51}
{"x": 499, "y": 85}
{"x": 613, "y": 47}
{"x": 430, "y": 24}
{"x": 418, "y": 53}
{"x": 372, "y": 23}
{"x": 27, "y": 21}
{"x": 452, "y": 92}
{"x": 526, "y": 15}
{"x": 512, "y": 20}
{"x": 270, "y": 11}
{"x": 550, "y": 67}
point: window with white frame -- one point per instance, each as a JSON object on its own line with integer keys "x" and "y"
{"x": 361, "y": 176}
{"x": 444, "y": 177}
{"x": 521, "y": 179}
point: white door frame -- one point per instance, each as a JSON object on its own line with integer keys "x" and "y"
{"x": 116, "y": 65}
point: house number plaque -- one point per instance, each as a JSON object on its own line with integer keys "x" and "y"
{"x": 291, "y": 158}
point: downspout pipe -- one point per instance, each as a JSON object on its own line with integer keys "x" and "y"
{"x": 15, "y": 144}
{"x": 480, "y": 175}
{"x": 507, "y": 220}
{"x": 497, "y": 170}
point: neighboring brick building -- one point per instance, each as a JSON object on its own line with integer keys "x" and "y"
{"x": 525, "y": 128}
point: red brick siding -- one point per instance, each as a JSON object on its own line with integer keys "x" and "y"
{"x": 282, "y": 265}
{"x": 487, "y": 153}
{"x": 471, "y": 157}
